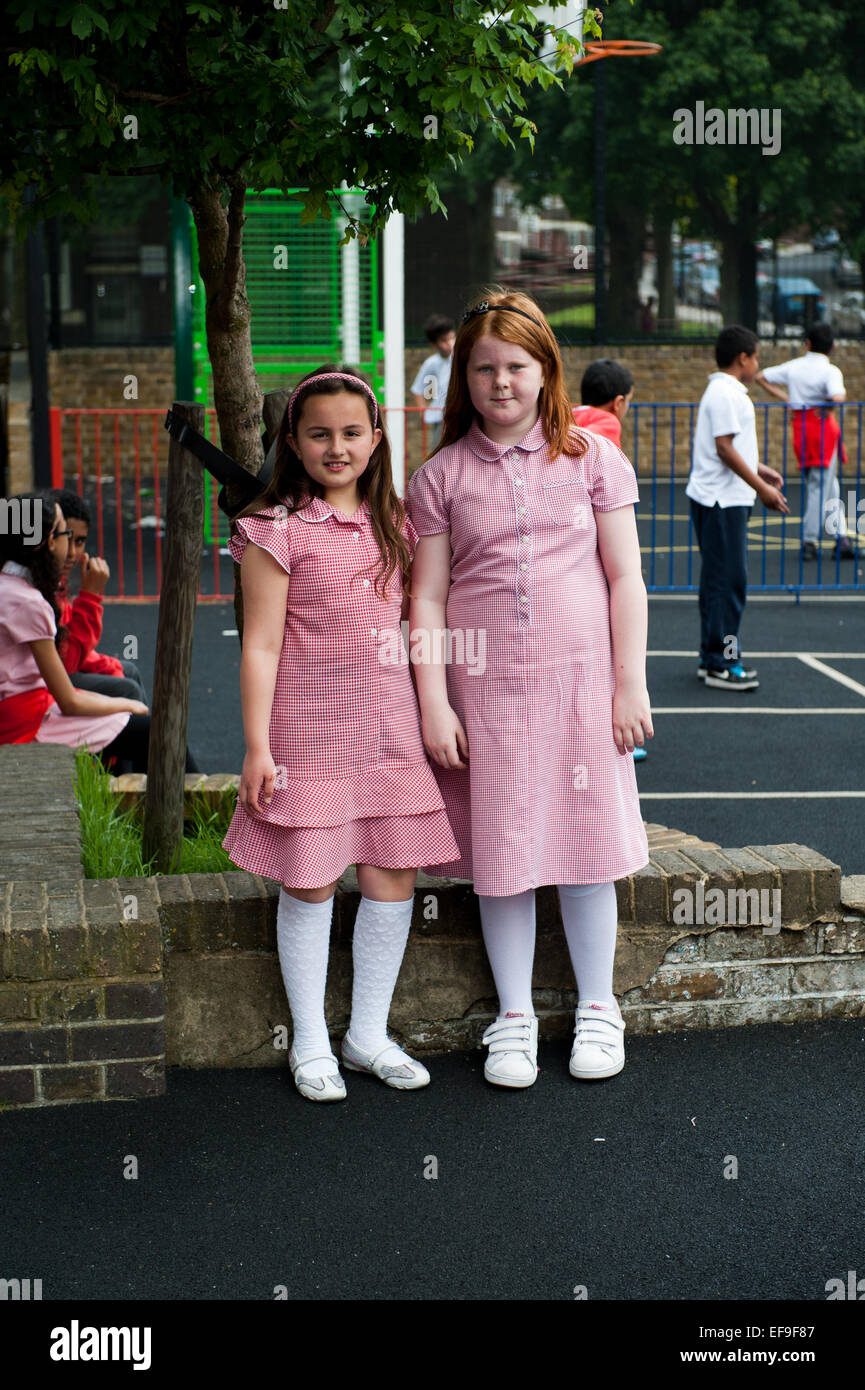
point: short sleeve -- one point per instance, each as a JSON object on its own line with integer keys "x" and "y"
{"x": 834, "y": 381}
{"x": 410, "y": 534}
{"x": 779, "y": 376}
{"x": 424, "y": 499}
{"x": 267, "y": 529}
{"x": 722, "y": 416}
{"x": 28, "y": 618}
{"x": 610, "y": 475}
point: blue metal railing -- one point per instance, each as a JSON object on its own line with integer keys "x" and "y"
{"x": 658, "y": 438}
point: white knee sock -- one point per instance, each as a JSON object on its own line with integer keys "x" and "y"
{"x": 509, "y": 935}
{"x": 303, "y": 940}
{"x": 590, "y": 917}
{"x": 380, "y": 935}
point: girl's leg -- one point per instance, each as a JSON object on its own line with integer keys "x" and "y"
{"x": 508, "y": 925}
{"x": 303, "y": 940}
{"x": 381, "y": 931}
{"x": 590, "y": 918}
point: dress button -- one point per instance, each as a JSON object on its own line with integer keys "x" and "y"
{"x": 357, "y": 535}
{"x": 373, "y": 632}
{"x": 366, "y": 583}
{"x": 524, "y": 566}
{"x": 519, "y": 482}
{"x": 522, "y": 509}
{"x": 523, "y": 598}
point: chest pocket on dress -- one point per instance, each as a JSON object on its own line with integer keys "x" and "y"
{"x": 566, "y": 503}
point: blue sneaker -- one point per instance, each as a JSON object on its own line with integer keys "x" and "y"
{"x": 733, "y": 678}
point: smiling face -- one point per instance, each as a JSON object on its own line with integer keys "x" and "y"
{"x": 504, "y": 382}
{"x": 334, "y": 440}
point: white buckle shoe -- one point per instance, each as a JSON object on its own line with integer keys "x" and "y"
{"x": 330, "y": 1087}
{"x": 390, "y": 1064}
{"x": 513, "y": 1044}
{"x": 599, "y": 1047}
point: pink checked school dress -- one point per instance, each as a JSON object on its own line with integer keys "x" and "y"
{"x": 546, "y": 797}
{"x": 354, "y": 785}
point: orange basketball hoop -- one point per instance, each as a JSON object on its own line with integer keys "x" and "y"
{"x": 615, "y": 48}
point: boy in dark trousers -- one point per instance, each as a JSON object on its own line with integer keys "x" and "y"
{"x": 725, "y": 478}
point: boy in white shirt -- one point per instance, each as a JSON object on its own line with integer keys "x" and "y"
{"x": 726, "y": 475}
{"x": 430, "y": 386}
{"x": 811, "y": 381}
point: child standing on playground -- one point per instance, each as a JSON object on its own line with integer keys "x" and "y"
{"x": 807, "y": 383}
{"x": 726, "y": 476}
{"x": 430, "y": 386}
{"x": 335, "y": 771}
{"x": 524, "y": 522}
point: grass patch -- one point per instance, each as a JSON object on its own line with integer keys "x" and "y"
{"x": 111, "y": 838}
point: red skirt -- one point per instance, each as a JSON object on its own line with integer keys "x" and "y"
{"x": 21, "y": 715}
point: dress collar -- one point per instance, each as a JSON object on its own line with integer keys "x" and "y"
{"x": 13, "y": 567}
{"x": 319, "y": 510}
{"x": 488, "y": 449}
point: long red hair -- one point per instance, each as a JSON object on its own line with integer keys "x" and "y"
{"x": 535, "y": 338}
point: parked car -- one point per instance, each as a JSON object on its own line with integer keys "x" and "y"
{"x": 788, "y": 299}
{"x": 846, "y": 271}
{"x": 701, "y": 285}
{"x": 848, "y": 315}
{"x": 826, "y": 241}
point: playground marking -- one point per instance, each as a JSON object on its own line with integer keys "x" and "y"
{"x": 799, "y": 656}
{"x": 755, "y": 709}
{"x": 838, "y": 676}
{"x": 743, "y": 796}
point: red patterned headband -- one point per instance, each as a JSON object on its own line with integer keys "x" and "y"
{"x": 330, "y": 376}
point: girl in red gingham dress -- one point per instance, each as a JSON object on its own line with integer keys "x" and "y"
{"x": 528, "y": 557}
{"x": 335, "y": 771}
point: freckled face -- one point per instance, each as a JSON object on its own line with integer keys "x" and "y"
{"x": 504, "y": 382}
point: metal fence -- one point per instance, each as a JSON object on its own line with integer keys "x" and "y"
{"x": 116, "y": 459}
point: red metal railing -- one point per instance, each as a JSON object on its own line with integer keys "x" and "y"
{"x": 137, "y": 448}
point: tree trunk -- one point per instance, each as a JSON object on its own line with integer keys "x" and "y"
{"x": 663, "y": 232}
{"x": 162, "y": 830}
{"x": 627, "y": 231}
{"x": 236, "y": 391}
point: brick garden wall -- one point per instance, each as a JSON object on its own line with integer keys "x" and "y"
{"x": 104, "y": 982}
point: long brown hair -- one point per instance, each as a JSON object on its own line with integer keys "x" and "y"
{"x": 291, "y": 484}
{"x": 539, "y": 341}
{"x": 45, "y": 569}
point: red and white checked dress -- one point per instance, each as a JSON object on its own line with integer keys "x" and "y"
{"x": 354, "y": 784}
{"x": 547, "y": 797}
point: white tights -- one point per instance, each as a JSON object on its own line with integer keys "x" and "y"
{"x": 590, "y": 920}
{"x": 303, "y": 939}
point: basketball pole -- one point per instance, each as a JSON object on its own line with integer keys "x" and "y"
{"x": 392, "y": 243}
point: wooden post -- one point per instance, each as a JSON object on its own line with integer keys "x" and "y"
{"x": 272, "y": 410}
{"x": 181, "y": 577}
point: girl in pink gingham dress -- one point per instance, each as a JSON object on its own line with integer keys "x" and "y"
{"x": 528, "y": 558}
{"x": 335, "y": 771}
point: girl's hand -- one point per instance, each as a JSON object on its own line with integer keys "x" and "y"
{"x": 444, "y": 736}
{"x": 632, "y": 716}
{"x": 257, "y": 778}
{"x": 136, "y": 707}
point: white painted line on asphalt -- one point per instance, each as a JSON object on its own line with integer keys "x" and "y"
{"x": 755, "y": 709}
{"x": 773, "y": 598}
{"x": 835, "y": 656}
{"x": 838, "y": 676}
{"x": 744, "y": 796}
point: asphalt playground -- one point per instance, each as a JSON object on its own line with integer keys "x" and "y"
{"x": 619, "y": 1188}
{"x": 781, "y": 764}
